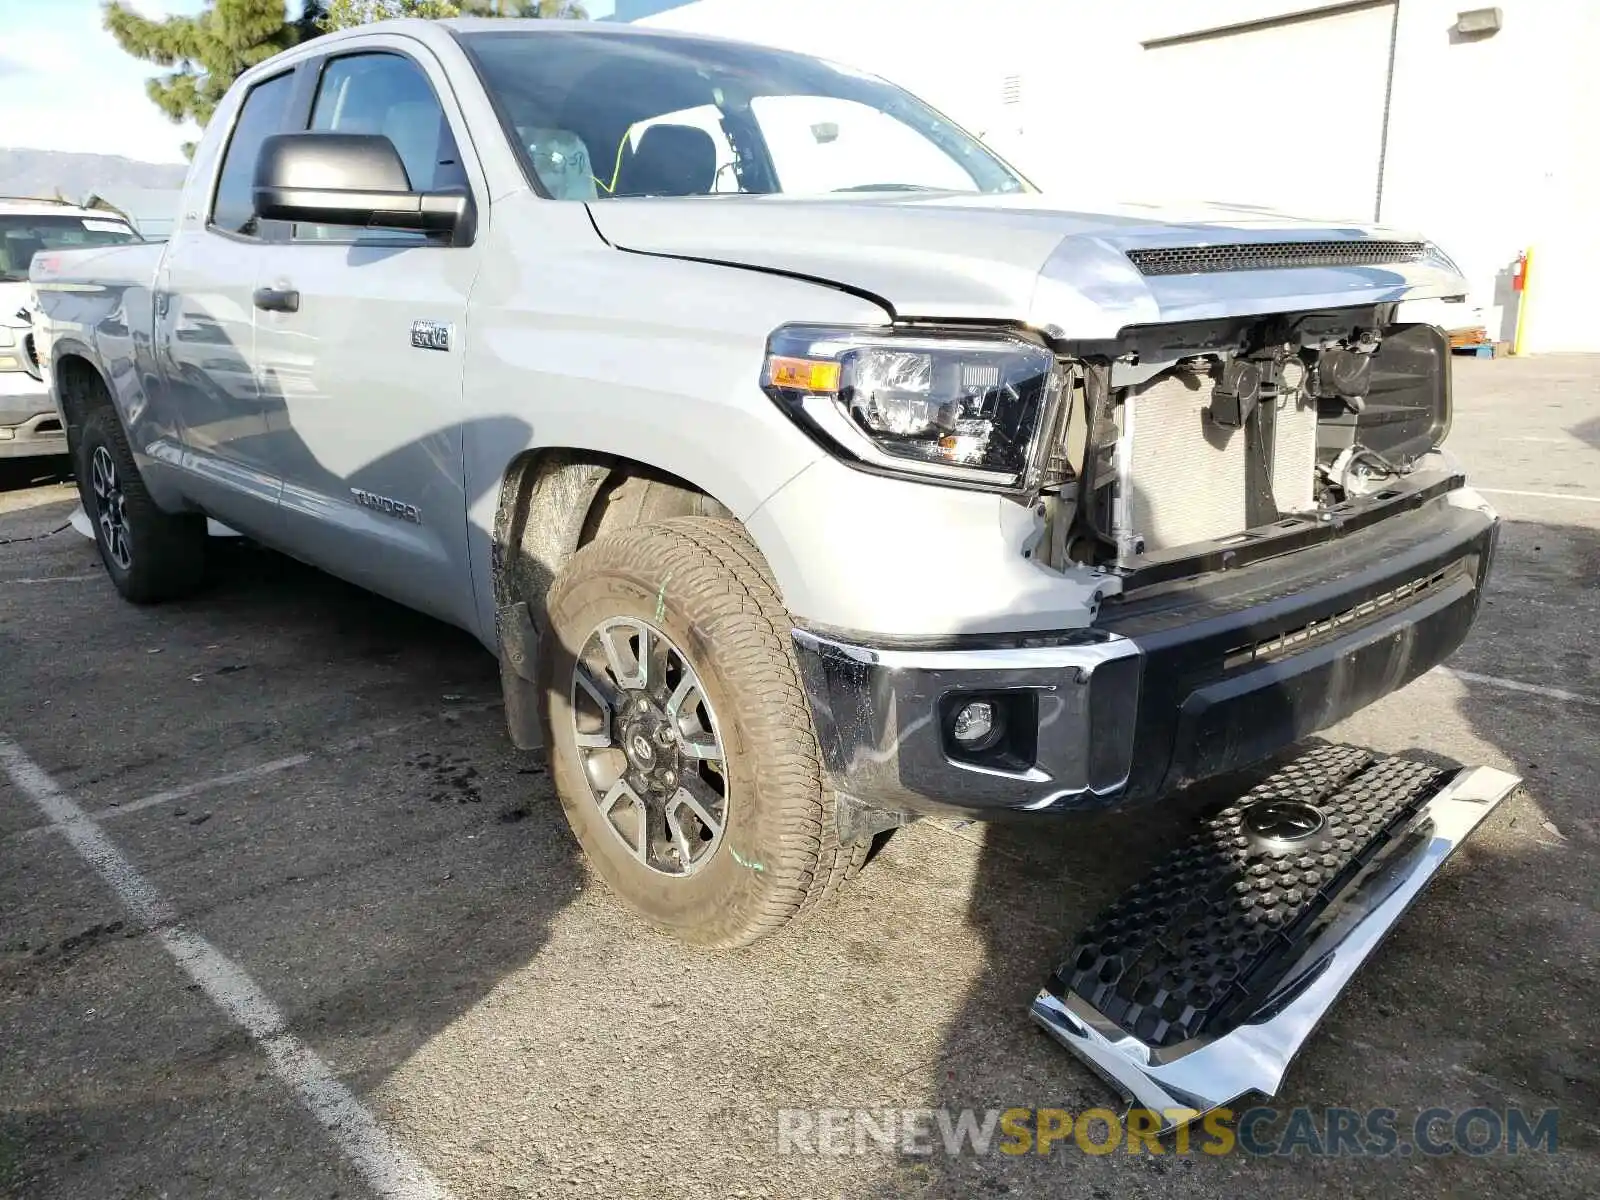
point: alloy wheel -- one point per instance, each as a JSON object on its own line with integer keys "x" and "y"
{"x": 111, "y": 508}
{"x": 650, "y": 746}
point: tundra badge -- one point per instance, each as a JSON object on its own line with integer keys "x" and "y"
{"x": 431, "y": 335}
{"x": 390, "y": 508}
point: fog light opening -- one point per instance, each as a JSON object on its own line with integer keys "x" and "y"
{"x": 979, "y": 724}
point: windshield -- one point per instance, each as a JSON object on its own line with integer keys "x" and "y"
{"x": 598, "y": 115}
{"x": 21, "y": 237}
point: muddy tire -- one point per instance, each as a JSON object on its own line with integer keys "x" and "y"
{"x": 679, "y": 738}
{"x": 150, "y": 555}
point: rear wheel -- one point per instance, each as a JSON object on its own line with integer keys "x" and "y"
{"x": 679, "y": 738}
{"x": 150, "y": 555}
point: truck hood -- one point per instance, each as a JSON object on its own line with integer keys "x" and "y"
{"x": 946, "y": 256}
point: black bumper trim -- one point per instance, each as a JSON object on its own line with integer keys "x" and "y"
{"x": 1200, "y": 718}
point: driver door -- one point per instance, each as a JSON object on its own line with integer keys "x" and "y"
{"x": 359, "y": 355}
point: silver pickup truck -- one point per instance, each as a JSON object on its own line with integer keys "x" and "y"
{"x": 805, "y": 468}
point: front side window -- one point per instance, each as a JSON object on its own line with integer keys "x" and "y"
{"x": 261, "y": 116}
{"x": 599, "y": 114}
{"x": 387, "y": 94}
{"x": 21, "y": 237}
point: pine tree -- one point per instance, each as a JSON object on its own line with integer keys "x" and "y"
{"x": 208, "y": 50}
{"x": 523, "y": 8}
{"x": 342, "y": 14}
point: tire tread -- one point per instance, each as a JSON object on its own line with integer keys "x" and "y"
{"x": 169, "y": 555}
{"x": 712, "y": 560}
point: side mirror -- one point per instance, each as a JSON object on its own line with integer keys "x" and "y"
{"x": 351, "y": 179}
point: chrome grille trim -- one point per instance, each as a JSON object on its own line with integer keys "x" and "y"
{"x": 1267, "y": 256}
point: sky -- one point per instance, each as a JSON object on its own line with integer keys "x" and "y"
{"x": 66, "y": 85}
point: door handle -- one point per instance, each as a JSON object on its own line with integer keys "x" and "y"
{"x": 277, "y": 299}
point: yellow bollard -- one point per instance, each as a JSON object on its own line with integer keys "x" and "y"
{"x": 1520, "y": 337}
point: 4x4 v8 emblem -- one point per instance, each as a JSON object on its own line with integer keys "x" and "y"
{"x": 431, "y": 335}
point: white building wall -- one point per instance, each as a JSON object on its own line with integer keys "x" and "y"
{"x": 1493, "y": 144}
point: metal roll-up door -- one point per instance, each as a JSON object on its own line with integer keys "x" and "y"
{"x": 1285, "y": 113}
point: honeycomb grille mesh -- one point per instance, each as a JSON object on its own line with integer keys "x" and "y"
{"x": 1268, "y": 256}
{"x": 1214, "y": 924}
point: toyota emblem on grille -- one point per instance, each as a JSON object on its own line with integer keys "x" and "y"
{"x": 1283, "y": 821}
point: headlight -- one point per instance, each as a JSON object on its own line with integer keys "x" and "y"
{"x": 965, "y": 408}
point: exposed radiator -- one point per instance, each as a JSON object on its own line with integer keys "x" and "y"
{"x": 1184, "y": 479}
{"x": 1294, "y": 461}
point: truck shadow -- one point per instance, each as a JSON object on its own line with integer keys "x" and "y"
{"x": 431, "y": 869}
{"x": 19, "y": 473}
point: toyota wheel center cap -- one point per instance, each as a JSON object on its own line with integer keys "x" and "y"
{"x": 1284, "y": 821}
{"x": 642, "y": 750}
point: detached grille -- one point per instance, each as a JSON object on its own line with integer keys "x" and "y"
{"x": 1267, "y": 256}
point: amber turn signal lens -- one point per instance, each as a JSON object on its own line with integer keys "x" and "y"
{"x": 803, "y": 374}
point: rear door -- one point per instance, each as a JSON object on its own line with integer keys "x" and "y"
{"x": 361, "y": 381}
{"x": 205, "y": 327}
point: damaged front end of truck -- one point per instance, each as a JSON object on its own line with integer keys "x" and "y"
{"x": 1280, "y": 539}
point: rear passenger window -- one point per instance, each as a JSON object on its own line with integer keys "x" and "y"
{"x": 387, "y": 94}
{"x": 261, "y": 116}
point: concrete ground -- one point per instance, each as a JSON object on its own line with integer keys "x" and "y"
{"x": 392, "y": 958}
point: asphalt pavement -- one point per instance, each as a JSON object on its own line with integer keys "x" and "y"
{"x": 282, "y": 912}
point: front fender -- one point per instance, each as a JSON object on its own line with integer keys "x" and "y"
{"x": 647, "y": 359}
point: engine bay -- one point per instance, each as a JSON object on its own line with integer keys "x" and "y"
{"x": 1205, "y": 445}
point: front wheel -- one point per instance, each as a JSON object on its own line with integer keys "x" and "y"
{"x": 150, "y": 555}
{"x": 679, "y": 738}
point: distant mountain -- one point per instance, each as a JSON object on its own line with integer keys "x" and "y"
{"x": 41, "y": 172}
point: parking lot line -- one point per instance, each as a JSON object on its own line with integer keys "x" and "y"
{"x": 58, "y": 579}
{"x": 206, "y": 785}
{"x": 1516, "y": 685}
{"x": 389, "y": 1169}
{"x": 260, "y": 770}
{"x": 1580, "y": 497}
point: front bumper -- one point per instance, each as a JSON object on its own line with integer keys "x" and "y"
{"x": 1176, "y": 684}
{"x": 29, "y": 423}
{"x": 39, "y": 434}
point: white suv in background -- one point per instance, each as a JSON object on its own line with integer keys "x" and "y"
{"x": 29, "y": 424}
